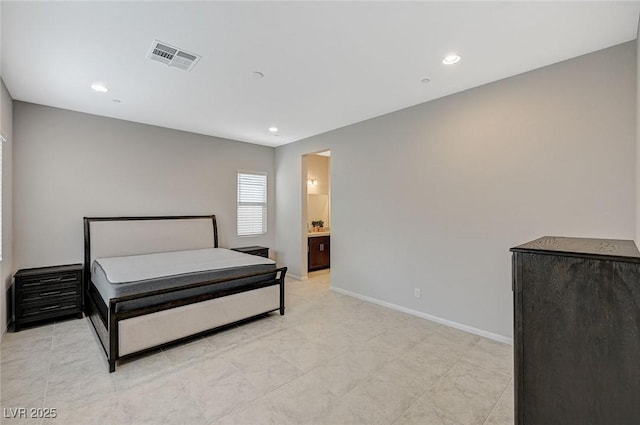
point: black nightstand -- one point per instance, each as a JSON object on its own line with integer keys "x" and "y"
{"x": 45, "y": 293}
{"x": 253, "y": 250}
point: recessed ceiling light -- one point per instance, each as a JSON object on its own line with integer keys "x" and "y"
{"x": 273, "y": 129}
{"x": 117, "y": 101}
{"x": 451, "y": 59}
{"x": 100, "y": 88}
{"x": 425, "y": 81}
{"x": 257, "y": 75}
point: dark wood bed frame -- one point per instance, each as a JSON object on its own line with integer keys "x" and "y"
{"x": 105, "y": 318}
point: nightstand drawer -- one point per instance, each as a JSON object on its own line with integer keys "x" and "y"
{"x": 35, "y": 282}
{"x": 54, "y": 307}
{"x": 44, "y": 292}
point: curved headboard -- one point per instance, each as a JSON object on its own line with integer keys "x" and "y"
{"x": 119, "y": 236}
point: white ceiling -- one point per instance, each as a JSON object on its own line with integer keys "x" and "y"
{"x": 325, "y": 64}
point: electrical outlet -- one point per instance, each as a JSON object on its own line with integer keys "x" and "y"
{"x": 416, "y": 292}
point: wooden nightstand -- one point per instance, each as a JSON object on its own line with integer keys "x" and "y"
{"x": 45, "y": 293}
{"x": 253, "y": 250}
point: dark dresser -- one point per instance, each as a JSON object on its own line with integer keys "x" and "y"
{"x": 45, "y": 293}
{"x": 576, "y": 332}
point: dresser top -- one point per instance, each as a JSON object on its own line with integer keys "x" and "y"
{"x": 583, "y": 247}
{"x": 46, "y": 270}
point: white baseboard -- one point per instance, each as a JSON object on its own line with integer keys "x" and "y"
{"x": 296, "y": 277}
{"x": 456, "y": 325}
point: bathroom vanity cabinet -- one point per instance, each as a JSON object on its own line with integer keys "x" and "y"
{"x": 319, "y": 252}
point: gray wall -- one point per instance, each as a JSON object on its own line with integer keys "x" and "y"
{"x": 433, "y": 196}
{"x": 638, "y": 137}
{"x": 6, "y": 267}
{"x": 69, "y": 165}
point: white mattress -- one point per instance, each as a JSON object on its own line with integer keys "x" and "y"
{"x": 134, "y": 268}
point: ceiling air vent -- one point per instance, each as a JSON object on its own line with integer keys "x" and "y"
{"x": 172, "y": 56}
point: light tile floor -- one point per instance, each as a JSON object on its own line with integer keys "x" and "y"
{"x": 331, "y": 359}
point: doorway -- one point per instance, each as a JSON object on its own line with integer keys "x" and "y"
{"x": 316, "y": 212}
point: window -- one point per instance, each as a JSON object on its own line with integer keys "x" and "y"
{"x": 252, "y": 203}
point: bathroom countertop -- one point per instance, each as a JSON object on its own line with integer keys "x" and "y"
{"x": 313, "y": 234}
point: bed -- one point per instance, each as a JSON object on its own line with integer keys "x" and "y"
{"x": 150, "y": 281}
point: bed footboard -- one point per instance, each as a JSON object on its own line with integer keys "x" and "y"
{"x": 151, "y": 330}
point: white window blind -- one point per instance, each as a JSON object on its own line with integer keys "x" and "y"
{"x": 252, "y": 203}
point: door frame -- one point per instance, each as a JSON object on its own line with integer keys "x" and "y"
{"x": 304, "y": 248}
